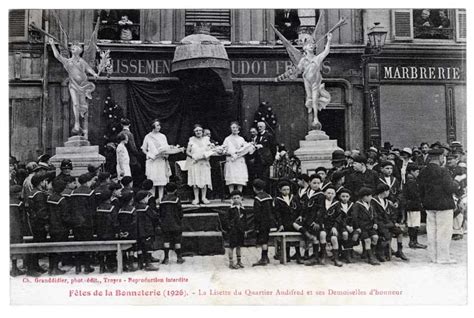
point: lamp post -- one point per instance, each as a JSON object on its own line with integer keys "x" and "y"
{"x": 376, "y": 41}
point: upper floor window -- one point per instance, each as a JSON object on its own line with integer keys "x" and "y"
{"x": 287, "y": 21}
{"x": 431, "y": 24}
{"x": 219, "y": 19}
{"x": 296, "y": 24}
{"x": 118, "y": 25}
{"x": 17, "y": 25}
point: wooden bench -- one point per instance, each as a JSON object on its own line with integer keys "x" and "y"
{"x": 76, "y": 246}
{"x": 283, "y": 238}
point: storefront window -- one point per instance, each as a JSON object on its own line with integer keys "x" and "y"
{"x": 433, "y": 24}
{"x": 218, "y": 19}
{"x": 118, "y": 25}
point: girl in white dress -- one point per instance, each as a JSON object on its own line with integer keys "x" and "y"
{"x": 157, "y": 167}
{"x": 235, "y": 169}
{"x": 123, "y": 159}
{"x": 199, "y": 168}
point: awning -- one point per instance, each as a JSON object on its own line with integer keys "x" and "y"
{"x": 203, "y": 51}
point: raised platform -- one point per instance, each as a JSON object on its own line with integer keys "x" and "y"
{"x": 215, "y": 204}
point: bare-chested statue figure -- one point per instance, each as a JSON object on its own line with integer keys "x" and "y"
{"x": 309, "y": 65}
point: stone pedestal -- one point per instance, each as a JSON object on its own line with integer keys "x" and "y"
{"x": 316, "y": 150}
{"x": 80, "y": 152}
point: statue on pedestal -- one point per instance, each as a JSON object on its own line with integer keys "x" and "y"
{"x": 317, "y": 148}
{"x": 309, "y": 65}
{"x": 78, "y": 69}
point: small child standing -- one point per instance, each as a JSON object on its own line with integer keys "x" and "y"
{"x": 237, "y": 223}
{"x": 308, "y": 223}
{"x": 287, "y": 210}
{"x": 386, "y": 177}
{"x": 350, "y": 238}
{"x": 413, "y": 206}
{"x": 262, "y": 209}
{"x": 171, "y": 219}
{"x": 59, "y": 220}
{"x": 331, "y": 219}
{"x": 16, "y": 225}
{"x": 127, "y": 219}
{"x": 107, "y": 227}
{"x": 82, "y": 203}
{"x": 388, "y": 224}
{"x": 146, "y": 217}
{"x": 365, "y": 223}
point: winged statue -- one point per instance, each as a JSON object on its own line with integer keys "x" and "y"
{"x": 308, "y": 64}
{"x": 78, "y": 67}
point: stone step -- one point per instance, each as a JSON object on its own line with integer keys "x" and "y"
{"x": 202, "y": 234}
{"x": 201, "y": 222}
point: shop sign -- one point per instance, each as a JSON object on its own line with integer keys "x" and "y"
{"x": 423, "y": 73}
{"x": 145, "y": 65}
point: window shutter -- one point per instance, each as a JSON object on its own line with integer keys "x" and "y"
{"x": 402, "y": 24}
{"x": 219, "y": 19}
{"x": 461, "y": 24}
{"x": 17, "y": 25}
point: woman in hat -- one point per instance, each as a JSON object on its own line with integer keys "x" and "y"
{"x": 199, "y": 168}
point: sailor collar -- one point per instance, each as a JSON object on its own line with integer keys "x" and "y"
{"x": 349, "y": 206}
{"x": 170, "y": 201}
{"x": 283, "y": 200}
{"x": 365, "y": 205}
{"x": 103, "y": 209}
{"x": 392, "y": 181}
{"x": 332, "y": 204}
{"x": 265, "y": 198}
{"x": 310, "y": 195}
{"x": 384, "y": 205}
{"x": 55, "y": 202}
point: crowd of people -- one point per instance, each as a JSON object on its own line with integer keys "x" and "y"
{"x": 365, "y": 199}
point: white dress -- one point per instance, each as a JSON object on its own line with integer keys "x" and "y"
{"x": 199, "y": 168}
{"x": 235, "y": 170}
{"x": 157, "y": 169}
{"x": 123, "y": 162}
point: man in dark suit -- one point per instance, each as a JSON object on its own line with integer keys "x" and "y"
{"x": 436, "y": 191}
{"x": 265, "y": 145}
{"x": 133, "y": 152}
{"x": 287, "y": 22}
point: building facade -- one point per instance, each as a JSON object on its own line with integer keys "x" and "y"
{"x": 415, "y": 89}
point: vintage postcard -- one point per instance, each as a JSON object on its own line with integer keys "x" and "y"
{"x": 272, "y": 156}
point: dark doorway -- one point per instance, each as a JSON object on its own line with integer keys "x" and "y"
{"x": 206, "y": 102}
{"x": 333, "y": 122}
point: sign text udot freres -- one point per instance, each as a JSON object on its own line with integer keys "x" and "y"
{"x": 264, "y": 68}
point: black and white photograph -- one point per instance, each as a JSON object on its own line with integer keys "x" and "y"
{"x": 237, "y": 156}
